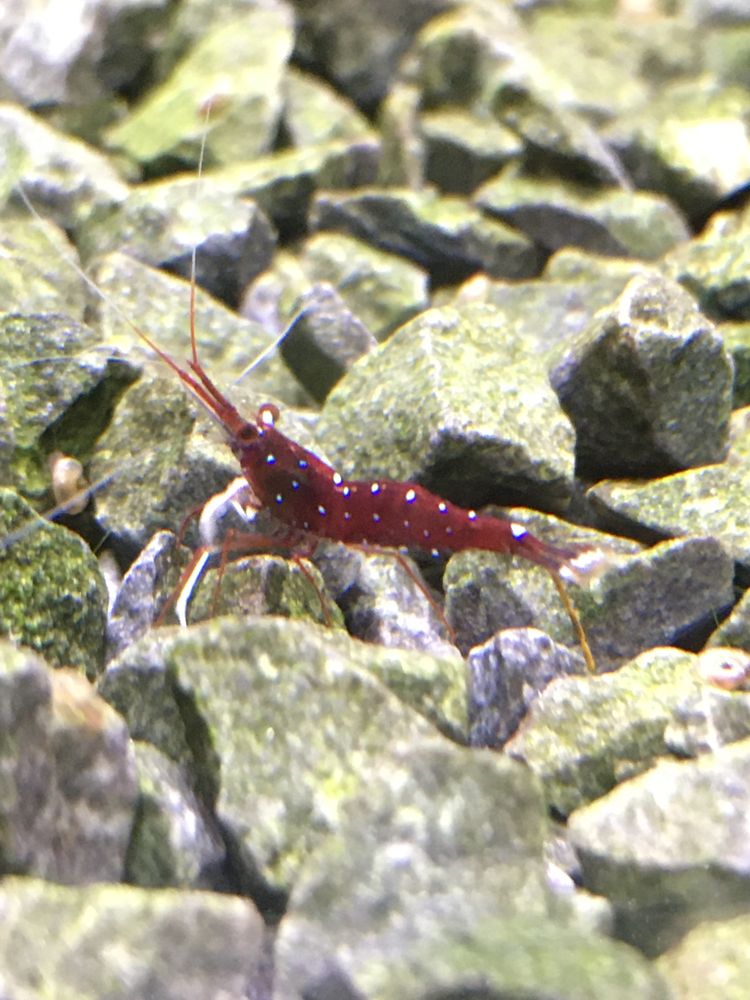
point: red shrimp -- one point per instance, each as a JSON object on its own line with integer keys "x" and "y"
{"x": 311, "y": 499}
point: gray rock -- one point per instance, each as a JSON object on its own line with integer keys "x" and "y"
{"x": 107, "y": 46}
{"x": 134, "y": 943}
{"x": 323, "y": 340}
{"x": 708, "y": 717}
{"x": 463, "y": 150}
{"x": 670, "y": 594}
{"x": 360, "y": 47}
{"x": 486, "y": 592}
{"x": 68, "y": 775}
{"x": 506, "y": 675}
{"x": 144, "y": 590}
{"x": 284, "y": 183}
{"x": 382, "y": 601}
{"x": 670, "y": 848}
{"x": 648, "y": 386}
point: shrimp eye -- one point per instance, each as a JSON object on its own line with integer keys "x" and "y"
{"x": 248, "y": 432}
{"x": 267, "y": 415}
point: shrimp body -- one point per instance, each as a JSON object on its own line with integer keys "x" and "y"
{"x": 306, "y": 494}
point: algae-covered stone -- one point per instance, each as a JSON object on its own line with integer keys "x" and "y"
{"x": 323, "y": 340}
{"x": 63, "y": 177}
{"x": 60, "y": 386}
{"x": 737, "y": 341}
{"x": 283, "y": 183}
{"x": 710, "y": 961}
{"x": 446, "y": 402}
{"x": 671, "y": 847}
{"x": 462, "y": 149}
{"x": 278, "y": 723}
{"x": 238, "y": 64}
{"x": 166, "y": 222}
{"x": 585, "y": 734}
{"x": 69, "y": 786}
{"x": 315, "y": 112}
{"x": 130, "y": 943}
{"x": 708, "y": 500}
{"x": 52, "y": 596}
{"x": 173, "y": 842}
{"x": 515, "y": 957}
{"x": 31, "y": 277}
{"x": 382, "y": 289}
{"x": 555, "y": 213}
{"x": 438, "y": 839}
{"x": 159, "y": 304}
{"x": 690, "y": 141}
{"x": 265, "y": 584}
{"x": 440, "y": 233}
{"x": 648, "y": 386}
{"x": 714, "y": 267}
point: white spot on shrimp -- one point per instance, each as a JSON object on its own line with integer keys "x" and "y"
{"x": 279, "y": 498}
{"x": 321, "y": 510}
{"x": 337, "y": 479}
{"x": 295, "y": 484}
{"x": 266, "y": 416}
{"x": 375, "y": 488}
{"x": 346, "y": 491}
{"x": 472, "y": 515}
{"x": 411, "y": 496}
{"x": 376, "y": 518}
{"x": 347, "y": 516}
{"x": 449, "y": 530}
{"x": 407, "y": 524}
{"x": 435, "y": 553}
{"x": 302, "y": 463}
{"x": 518, "y": 531}
{"x": 426, "y": 533}
{"x": 305, "y": 524}
{"x": 270, "y": 459}
{"x": 442, "y": 507}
